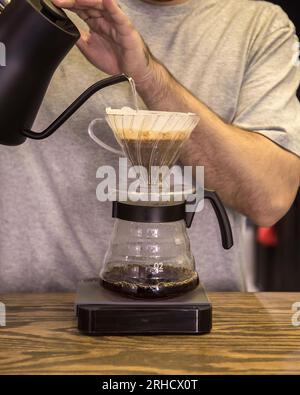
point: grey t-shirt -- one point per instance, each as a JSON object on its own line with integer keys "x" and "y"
{"x": 237, "y": 56}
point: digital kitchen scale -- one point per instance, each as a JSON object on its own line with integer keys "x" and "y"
{"x": 102, "y": 312}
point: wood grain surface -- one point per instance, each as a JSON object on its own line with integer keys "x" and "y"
{"x": 252, "y": 333}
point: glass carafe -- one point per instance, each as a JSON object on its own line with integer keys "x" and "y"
{"x": 149, "y": 254}
{"x": 149, "y": 260}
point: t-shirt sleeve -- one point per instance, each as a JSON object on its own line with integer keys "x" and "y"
{"x": 268, "y": 103}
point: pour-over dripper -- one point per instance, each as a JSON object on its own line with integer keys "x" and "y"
{"x": 149, "y": 139}
{"x": 149, "y": 254}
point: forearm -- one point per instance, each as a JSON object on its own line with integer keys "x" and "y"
{"x": 250, "y": 173}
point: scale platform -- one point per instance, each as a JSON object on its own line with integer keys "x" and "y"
{"x": 103, "y": 312}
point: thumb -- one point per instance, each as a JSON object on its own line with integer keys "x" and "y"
{"x": 91, "y": 47}
{"x": 82, "y": 43}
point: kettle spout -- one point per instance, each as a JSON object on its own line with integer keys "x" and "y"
{"x": 116, "y": 79}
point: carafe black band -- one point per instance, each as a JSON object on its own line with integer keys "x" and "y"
{"x": 159, "y": 213}
{"x": 146, "y": 213}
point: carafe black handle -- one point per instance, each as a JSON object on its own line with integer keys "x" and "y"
{"x": 224, "y": 223}
{"x": 223, "y": 220}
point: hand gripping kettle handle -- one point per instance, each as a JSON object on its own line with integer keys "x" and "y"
{"x": 224, "y": 223}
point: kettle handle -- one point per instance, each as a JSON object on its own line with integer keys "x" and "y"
{"x": 223, "y": 220}
{"x": 74, "y": 107}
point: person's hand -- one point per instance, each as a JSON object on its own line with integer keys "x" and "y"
{"x": 112, "y": 43}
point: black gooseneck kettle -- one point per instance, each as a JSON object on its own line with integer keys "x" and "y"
{"x": 36, "y": 36}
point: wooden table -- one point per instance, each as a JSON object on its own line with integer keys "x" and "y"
{"x": 252, "y": 333}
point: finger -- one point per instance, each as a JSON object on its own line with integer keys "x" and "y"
{"x": 88, "y": 47}
{"x": 109, "y": 9}
{"x": 99, "y": 26}
{"x": 96, "y": 24}
{"x": 95, "y": 21}
{"x": 115, "y": 12}
{"x": 83, "y": 41}
{"x": 79, "y": 4}
{"x": 84, "y": 9}
{"x": 101, "y": 22}
{"x": 82, "y": 14}
{"x": 99, "y": 14}
{"x": 90, "y": 14}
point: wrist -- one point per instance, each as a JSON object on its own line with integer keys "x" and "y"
{"x": 153, "y": 86}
